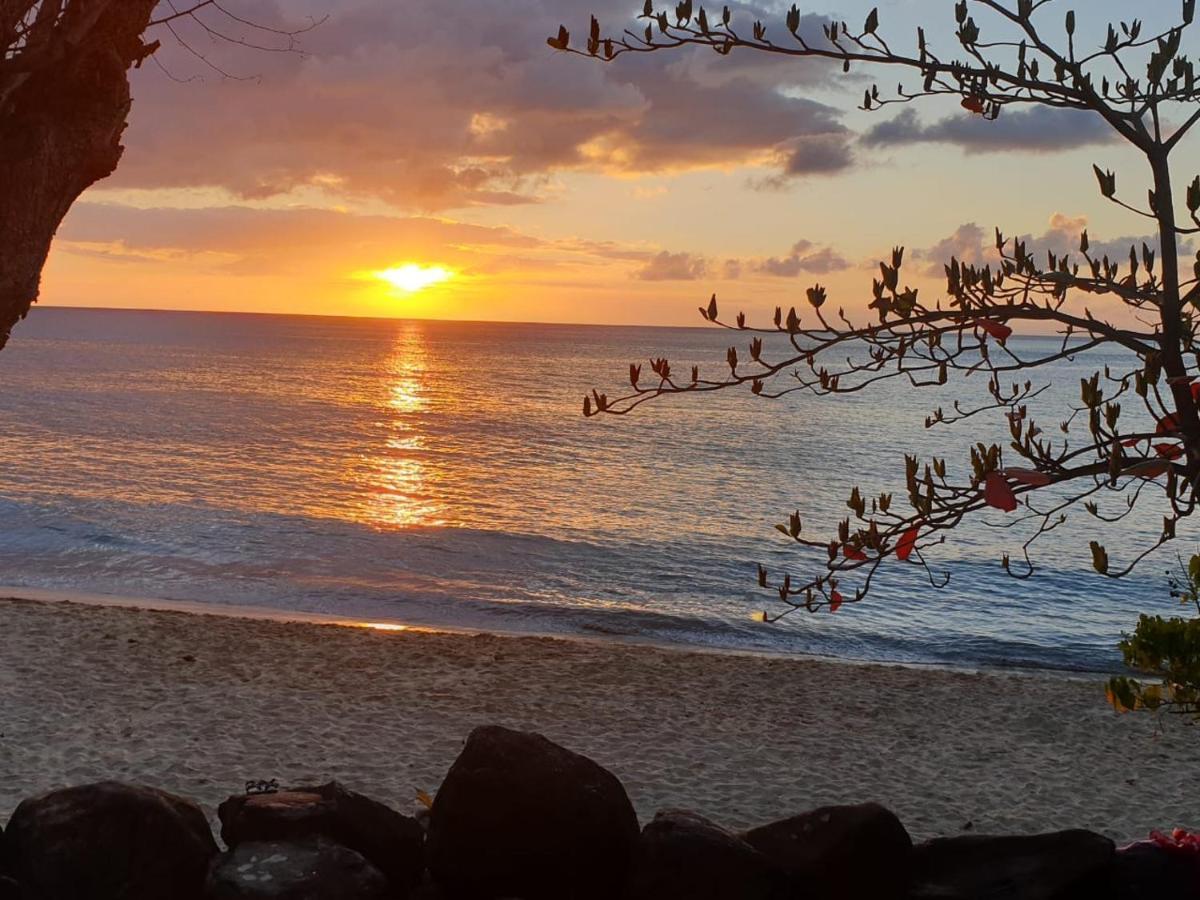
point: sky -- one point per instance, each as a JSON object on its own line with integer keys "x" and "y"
{"x": 412, "y": 141}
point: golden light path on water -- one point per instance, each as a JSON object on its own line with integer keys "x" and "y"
{"x": 400, "y": 489}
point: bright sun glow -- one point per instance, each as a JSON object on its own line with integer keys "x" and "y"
{"x": 412, "y": 277}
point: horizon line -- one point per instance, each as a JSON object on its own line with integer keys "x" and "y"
{"x": 345, "y": 316}
{"x": 36, "y": 307}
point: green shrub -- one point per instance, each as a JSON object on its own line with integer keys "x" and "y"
{"x": 1167, "y": 650}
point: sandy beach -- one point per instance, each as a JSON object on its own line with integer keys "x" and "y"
{"x": 199, "y": 704}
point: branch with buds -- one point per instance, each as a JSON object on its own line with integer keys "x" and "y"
{"x": 1140, "y": 427}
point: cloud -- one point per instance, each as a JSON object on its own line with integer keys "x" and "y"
{"x": 1038, "y": 129}
{"x": 822, "y": 154}
{"x": 971, "y": 244}
{"x": 447, "y": 105}
{"x": 967, "y": 245}
{"x": 673, "y": 267}
{"x": 805, "y": 257}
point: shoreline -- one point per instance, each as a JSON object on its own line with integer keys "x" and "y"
{"x": 199, "y": 704}
{"x": 384, "y": 623}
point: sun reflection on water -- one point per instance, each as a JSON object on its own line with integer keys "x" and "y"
{"x": 401, "y": 488}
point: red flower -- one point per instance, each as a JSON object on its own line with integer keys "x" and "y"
{"x": 1168, "y": 451}
{"x": 835, "y": 602}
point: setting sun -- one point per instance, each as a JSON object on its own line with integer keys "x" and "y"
{"x": 412, "y": 277}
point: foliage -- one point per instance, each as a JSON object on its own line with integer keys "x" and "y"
{"x": 1133, "y": 434}
{"x": 1168, "y": 649}
{"x": 65, "y": 100}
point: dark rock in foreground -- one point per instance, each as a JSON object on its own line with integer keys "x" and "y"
{"x": 9, "y": 889}
{"x": 840, "y": 852}
{"x": 391, "y": 842}
{"x": 683, "y": 856}
{"x": 315, "y": 870}
{"x": 1146, "y": 871}
{"x": 1066, "y": 865}
{"x": 108, "y": 840}
{"x": 520, "y": 816}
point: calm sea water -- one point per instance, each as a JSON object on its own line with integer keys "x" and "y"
{"x": 441, "y": 474}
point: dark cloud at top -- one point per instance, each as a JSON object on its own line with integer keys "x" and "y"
{"x": 451, "y": 104}
{"x": 1039, "y": 129}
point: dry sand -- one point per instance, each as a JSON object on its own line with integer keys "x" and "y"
{"x": 200, "y": 704}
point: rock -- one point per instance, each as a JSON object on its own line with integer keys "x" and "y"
{"x": 840, "y": 852}
{"x": 108, "y": 840}
{"x": 1061, "y": 866}
{"x": 391, "y": 842}
{"x": 683, "y": 856}
{"x": 9, "y": 890}
{"x": 313, "y": 870}
{"x": 1146, "y": 871}
{"x": 520, "y": 816}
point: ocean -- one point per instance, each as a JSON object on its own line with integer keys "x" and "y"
{"x": 442, "y": 474}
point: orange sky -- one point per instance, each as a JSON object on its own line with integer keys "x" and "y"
{"x": 548, "y": 187}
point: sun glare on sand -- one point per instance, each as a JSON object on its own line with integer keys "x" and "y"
{"x": 412, "y": 278}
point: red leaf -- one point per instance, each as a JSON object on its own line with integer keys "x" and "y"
{"x": 835, "y": 602}
{"x": 1150, "y": 469}
{"x": 998, "y": 330}
{"x": 973, "y": 103}
{"x": 1168, "y": 424}
{"x": 1168, "y": 451}
{"x": 1031, "y": 477}
{"x": 1132, "y": 442}
{"x": 1196, "y": 393}
{"x": 908, "y": 541}
{"x": 854, "y": 553}
{"x": 998, "y": 494}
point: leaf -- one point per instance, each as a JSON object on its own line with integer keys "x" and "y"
{"x": 1099, "y": 558}
{"x": 1149, "y": 469}
{"x": 1107, "y": 180}
{"x": 998, "y": 494}
{"x": 998, "y": 330}
{"x": 1031, "y": 477}
{"x": 1168, "y": 451}
{"x": 712, "y": 308}
{"x": 835, "y": 602}
{"x": 872, "y": 24}
{"x": 562, "y": 41}
{"x": 908, "y": 542}
{"x": 853, "y": 553}
{"x": 1168, "y": 424}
